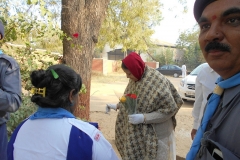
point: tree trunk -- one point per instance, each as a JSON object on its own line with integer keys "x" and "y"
{"x": 81, "y": 20}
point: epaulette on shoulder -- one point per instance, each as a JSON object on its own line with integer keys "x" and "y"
{"x": 12, "y": 61}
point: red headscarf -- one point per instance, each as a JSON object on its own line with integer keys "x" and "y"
{"x": 135, "y": 64}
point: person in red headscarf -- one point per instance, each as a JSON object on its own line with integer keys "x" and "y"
{"x": 149, "y": 132}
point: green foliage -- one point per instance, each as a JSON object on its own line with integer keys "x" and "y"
{"x": 29, "y": 60}
{"x": 163, "y": 55}
{"x": 83, "y": 89}
{"x": 97, "y": 53}
{"x": 129, "y": 22}
{"x": 193, "y": 56}
{"x": 25, "y": 25}
{"x": 184, "y": 4}
{"x": 37, "y": 22}
{"x": 129, "y": 102}
{"x": 188, "y": 38}
{"x": 188, "y": 42}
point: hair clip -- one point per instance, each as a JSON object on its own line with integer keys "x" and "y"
{"x": 55, "y": 75}
{"x": 41, "y": 91}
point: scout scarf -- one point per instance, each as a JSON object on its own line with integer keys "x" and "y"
{"x": 51, "y": 113}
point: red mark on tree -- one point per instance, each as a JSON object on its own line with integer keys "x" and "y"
{"x": 75, "y": 35}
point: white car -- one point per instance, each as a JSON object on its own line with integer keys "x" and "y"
{"x": 186, "y": 88}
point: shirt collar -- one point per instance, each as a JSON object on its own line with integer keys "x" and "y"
{"x": 229, "y": 94}
{"x": 211, "y": 70}
{"x": 51, "y": 113}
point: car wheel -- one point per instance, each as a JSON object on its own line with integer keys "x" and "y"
{"x": 175, "y": 75}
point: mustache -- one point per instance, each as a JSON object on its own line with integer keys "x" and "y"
{"x": 217, "y": 46}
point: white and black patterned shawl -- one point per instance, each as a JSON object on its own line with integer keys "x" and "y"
{"x": 155, "y": 93}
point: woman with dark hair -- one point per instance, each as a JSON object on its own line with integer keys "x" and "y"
{"x": 53, "y": 132}
{"x": 149, "y": 132}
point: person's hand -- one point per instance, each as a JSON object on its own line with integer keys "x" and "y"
{"x": 193, "y": 133}
{"x": 118, "y": 106}
{"x": 136, "y": 118}
{"x": 111, "y": 106}
{"x": 107, "y": 109}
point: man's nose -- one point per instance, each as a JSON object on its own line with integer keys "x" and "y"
{"x": 214, "y": 33}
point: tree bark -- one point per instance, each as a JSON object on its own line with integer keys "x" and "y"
{"x": 81, "y": 20}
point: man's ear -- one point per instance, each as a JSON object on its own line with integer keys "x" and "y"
{"x": 71, "y": 96}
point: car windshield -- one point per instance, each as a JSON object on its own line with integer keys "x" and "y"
{"x": 164, "y": 67}
{"x": 196, "y": 70}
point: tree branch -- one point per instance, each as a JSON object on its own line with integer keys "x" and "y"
{"x": 147, "y": 51}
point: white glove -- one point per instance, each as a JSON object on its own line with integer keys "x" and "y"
{"x": 136, "y": 118}
{"x": 110, "y": 106}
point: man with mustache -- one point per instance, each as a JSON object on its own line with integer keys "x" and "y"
{"x": 218, "y": 135}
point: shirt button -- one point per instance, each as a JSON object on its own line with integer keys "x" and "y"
{"x": 210, "y": 125}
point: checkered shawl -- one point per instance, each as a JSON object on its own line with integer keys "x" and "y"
{"x": 155, "y": 93}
